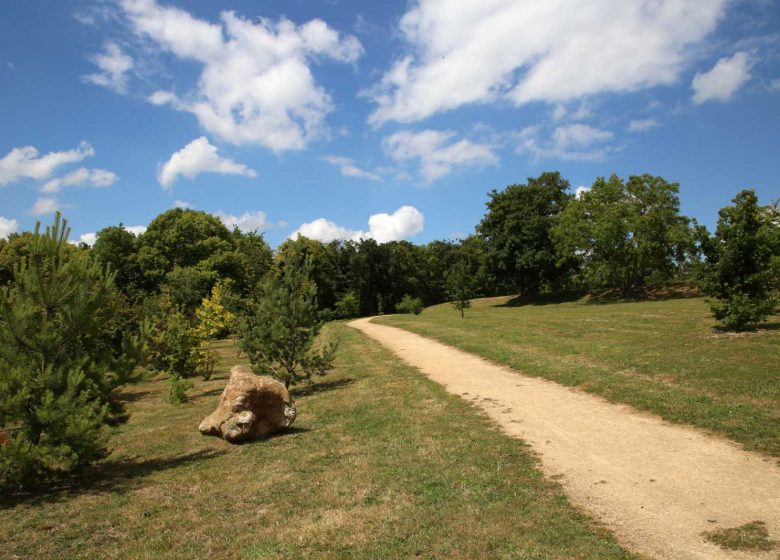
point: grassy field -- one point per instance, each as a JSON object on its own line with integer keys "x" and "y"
{"x": 381, "y": 463}
{"x": 666, "y": 357}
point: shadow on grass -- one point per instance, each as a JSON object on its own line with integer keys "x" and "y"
{"x": 753, "y": 329}
{"x": 314, "y": 388}
{"x": 106, "y": 477}
{"x": 132, "y": 396}
{"x": 545, "y": 299}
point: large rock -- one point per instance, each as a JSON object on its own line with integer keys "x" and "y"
{"x": 250, "y": 407}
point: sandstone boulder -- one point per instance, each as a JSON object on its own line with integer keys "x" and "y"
{"x": 250, "y": 407}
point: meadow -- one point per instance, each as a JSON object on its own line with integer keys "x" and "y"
{"x": 381, "y": 463}
{"x": 667, "y": 356}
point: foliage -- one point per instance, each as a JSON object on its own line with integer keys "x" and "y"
{"x": 212, "y": 320}
{"x": 408, "y": 304}
{"x": 517, "y": 230}
{"x": 279, "y": 335}
{"x": 59, "y": 365}
{"x": 623, "y": 233}
{"x": 176, "y": 349}
{"x": 736, "y": 273}
{"x": 347, "y": 306}
{"x": 460, "y": 286}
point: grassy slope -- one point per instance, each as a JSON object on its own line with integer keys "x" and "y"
{"x": 662, "y": 356}
{"x": 382, "y": 463}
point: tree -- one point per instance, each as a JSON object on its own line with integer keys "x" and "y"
{"x": 460, "y": 286}
{"x": 517, "y": 229}
{"x": 624, "y": 233}
{"x": 279, "y": 336}
{"x": 737, "y": 273}
{"x": 212, "y": 320}
{"x": 58, "y": 363}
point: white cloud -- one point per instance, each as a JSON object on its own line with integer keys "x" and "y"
{"x": 581, "y": 190}
{"x": 256, "y": 84}
{"x": 577, "y": 142}
{"x": 579, "y": 135}
{"x": 437, "y": 156}
{"x": 246, "y": 222}
{"x": 88, "y": 238}
{"x": 197, "y": 157}
{"x": 349, "y": 169}
{"x": 25, "y": 162}
{"x": 114, "y": 65}
{"x": 45, "y": 205}
{"x": 136, "y": 230}
{"x": 479, "y": 51}
{"x": 405, "y": 222}
{"x": 183, "y": 204}
{"x": 775, "y": 84}
{"x": 723, "y": 80}
{"x": 83, "y": 177}
{"x": 7, "y": 227}
{"x": 327, "y": 231}
{"x": 641, "y": 125}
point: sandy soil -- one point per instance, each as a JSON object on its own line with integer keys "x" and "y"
{"x": 656, "y": 485}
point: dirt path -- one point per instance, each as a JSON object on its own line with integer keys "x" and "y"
{"x": 657, "y": 485}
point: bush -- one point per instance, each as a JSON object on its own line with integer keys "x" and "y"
{"x": 408, "y": 304}
{"x": 348, "y": 306}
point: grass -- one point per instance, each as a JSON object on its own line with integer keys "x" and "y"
{"x": 666, "y": 357}
{"x": 381, "y": 463}
{"x": 751, "y": 536}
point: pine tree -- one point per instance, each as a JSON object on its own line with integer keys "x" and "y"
{"x": 279, "y": 335}
{"x": 737, "y": 271}
{"x": 58, "y": 359}
{"x": 460, "y": 286}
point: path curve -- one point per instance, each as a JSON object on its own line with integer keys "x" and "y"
{"x": 656, "y": 485}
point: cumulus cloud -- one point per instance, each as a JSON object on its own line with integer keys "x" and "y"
{"x": 723, "y": 80}
{"x": 25, "y": 162}
{"x": 183, "y": 204}
{"x": 114, "y": 66}
{"x": 81, "y": 177}
{"x": 7, "y": 227}
{"x": 477, "y": 51}
{"x": 197, "y": 157}
{"x": 246, "y": 222}
{"x": 45, "y": 205}
{"x": 436, "y": 153}
{"x": 405, "y": 222}
{"x": 256, "y": 84}
{"x": 581, "y": 190}
{"x": 90, "y": 238}
{"x": 577, "y": 142}
{"x": 327, "y": 231}
{"x": 349, "y": 169}
{"x": 641, "y": 125}
{"x": 136, "y": 230}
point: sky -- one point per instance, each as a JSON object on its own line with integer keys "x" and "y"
{"x": 341, "y": 119}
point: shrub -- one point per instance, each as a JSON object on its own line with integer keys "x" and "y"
{"x": 408, "y": 304}
{"x": 347, "y": 306}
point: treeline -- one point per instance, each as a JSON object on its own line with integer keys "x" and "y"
{"x": 535, "y": 238}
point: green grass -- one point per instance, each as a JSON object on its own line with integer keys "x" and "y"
{"x": 381, "y": 463}
{"x": 751, "y": 536}
{"x": 666, "y": 357}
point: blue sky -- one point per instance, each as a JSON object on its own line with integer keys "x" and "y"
{"x": 341, "y": 119}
